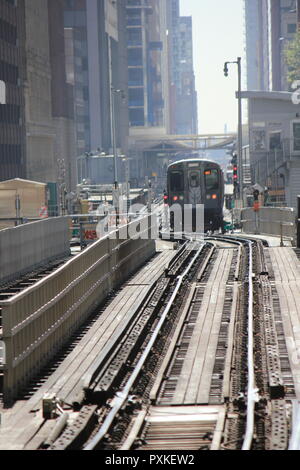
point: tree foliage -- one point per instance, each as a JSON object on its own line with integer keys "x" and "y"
{"x": 292, "y": 59}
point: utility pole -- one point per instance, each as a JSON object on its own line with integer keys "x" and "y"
{"x": 238, "y": 62}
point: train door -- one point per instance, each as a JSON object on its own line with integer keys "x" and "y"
{"x": 194, "y": 198}
{"x": 194, "y": 187}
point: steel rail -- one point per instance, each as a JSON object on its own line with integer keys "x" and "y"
{"x": 252, "y": 392}
{"x": 121, "y": 397}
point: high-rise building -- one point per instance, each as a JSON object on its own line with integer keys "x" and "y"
{"x": 48, "y": 98}
{"x": 269, "y": 26}
{"x": 283, "y": 21}
{"x": 62, "y": 97}
{"x": 97, "y": 67}
{"x": 257, "y": 44}
{"x": 12, "y": 73}
{"x": 77, "y": 63}
{"x": 148, "y": 94}
{"x": 183, "y": 96}
{"x": 186, "y": 112}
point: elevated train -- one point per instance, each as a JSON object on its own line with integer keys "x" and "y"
{"x": 193, "y": 182}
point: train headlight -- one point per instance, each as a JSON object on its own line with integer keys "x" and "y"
{"x": 175, "y": 198}
{"x": 214, "y": 196}
{"x": 208, "y": 196}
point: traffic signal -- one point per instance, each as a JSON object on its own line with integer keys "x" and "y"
{"x": 235, "y": 169}
{"x": 256, "y": 195}
{"x": 226, "y": 69}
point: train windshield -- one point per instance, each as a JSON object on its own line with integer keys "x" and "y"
{"x": 176, "y": 181}
{"x": 211, "y": 179}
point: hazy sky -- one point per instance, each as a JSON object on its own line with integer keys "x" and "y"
{"x": 218, "y": 38}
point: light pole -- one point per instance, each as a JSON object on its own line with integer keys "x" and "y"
{"x": 238, "y": 62}
{"x": 113, "y": 93}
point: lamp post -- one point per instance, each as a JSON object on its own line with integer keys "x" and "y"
{"x": 113, "y": 93}
{"x": 238, "y": 62}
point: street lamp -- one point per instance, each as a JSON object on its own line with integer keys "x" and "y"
{"x": 240, "y": 129}
{"x": 113, "y": 93}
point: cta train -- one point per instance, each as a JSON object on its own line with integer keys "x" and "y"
{"x": 197, "y": 182}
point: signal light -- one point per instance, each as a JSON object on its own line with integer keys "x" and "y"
{"x": 235, "y": 172}
{"x": 214, "y": 196}
{"x": 226, "y": 69}
{"x": 256, "y": 195}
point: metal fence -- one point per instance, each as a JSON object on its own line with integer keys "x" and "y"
{"x": 37, "y": 322}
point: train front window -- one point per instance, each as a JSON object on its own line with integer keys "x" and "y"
{"x": 176, "y": 181}
{"x": 211, "y": 180}
{"x": 194, "y": 179}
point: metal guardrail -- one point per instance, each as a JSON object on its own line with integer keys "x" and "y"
{"x": 37, "y": 322}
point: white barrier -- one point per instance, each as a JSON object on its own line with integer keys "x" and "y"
{"x": 38, "y": 321}
{"x": 270, "y": 221}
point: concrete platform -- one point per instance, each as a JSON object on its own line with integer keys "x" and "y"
{"x": 286, "y": 268}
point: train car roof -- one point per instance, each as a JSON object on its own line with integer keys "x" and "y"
{"x": 194, "y": 160}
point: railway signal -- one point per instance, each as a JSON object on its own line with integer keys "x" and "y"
{"x": 235, "y": 174}
{"x": 256, "y": 205}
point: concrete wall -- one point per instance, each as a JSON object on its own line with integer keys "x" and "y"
{"x": 28, "y": 246}
{"x": 270, "y": 221}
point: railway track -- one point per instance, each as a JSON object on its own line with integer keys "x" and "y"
{"x": 239, "y": 400}
{"x": 201, "y": 365}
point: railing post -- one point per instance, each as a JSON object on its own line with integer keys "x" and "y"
{"x": 298, "y": 223}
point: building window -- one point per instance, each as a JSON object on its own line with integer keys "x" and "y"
{"x": 136, "y": 117}
{"x": 275, "y": 141}
{"x": 259, "y": 140}
{"x": 296, "y": 134}
{"x": 136, "y": 97}
{"x": 10, "y": 154}
{"x": 135, "y": 57}
{"x": 135, "y": 37}
{"x": 8, "y": 32}
{"x": 292, "y": 28}
{"x": 135, "y": 77}
{"x": 8, "y": 73}
{"x": 10, "y": 114}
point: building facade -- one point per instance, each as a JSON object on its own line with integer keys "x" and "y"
{"x": 269, "y": 26}
{"x": 274, "y": 136}
{"x": 96, "y": 63}
{"x": 257, "y": 44}
{"x": 13, "y": 74}
{"x": 183, "y": 96}
{"x": 186, "y": 112}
